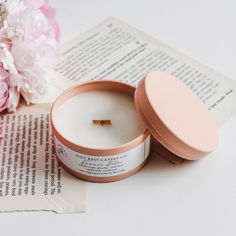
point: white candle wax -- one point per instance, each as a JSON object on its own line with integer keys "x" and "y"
{"x": 74, "y": 119}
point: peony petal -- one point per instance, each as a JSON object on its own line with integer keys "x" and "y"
{"x": 14, "y": 98}
{"x": 4, "y": 94}
{"x": 34, "y": 3}
{"x": 3, "y": 74}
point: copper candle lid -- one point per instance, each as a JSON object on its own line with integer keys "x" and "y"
{"x": 175, "y": 116}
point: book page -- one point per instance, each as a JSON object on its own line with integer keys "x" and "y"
{"x": 30, "y": 176}
{"x": 114, "y": 50}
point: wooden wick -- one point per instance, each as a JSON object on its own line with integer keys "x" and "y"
{"x": 102, "y": 122}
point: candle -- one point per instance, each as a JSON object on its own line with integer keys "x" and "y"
{"x": 75, "y": 119}
{"x": 99, "y": 136}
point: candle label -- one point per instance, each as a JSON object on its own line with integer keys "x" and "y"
{"x": 103, "y": 166}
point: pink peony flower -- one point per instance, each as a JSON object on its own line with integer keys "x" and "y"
{"x": 29, "y": 36}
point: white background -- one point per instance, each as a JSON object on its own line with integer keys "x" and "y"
{"x": 195, "y": 198}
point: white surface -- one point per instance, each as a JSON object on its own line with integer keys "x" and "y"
{"x": 196, "y": 198}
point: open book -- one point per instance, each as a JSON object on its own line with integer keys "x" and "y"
{"x": 116, "y": 51}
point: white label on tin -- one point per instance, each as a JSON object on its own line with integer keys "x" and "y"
{"x": 103, "y": 166}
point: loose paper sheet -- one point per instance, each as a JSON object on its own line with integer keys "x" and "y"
{"x": 30, "y": 176}
{"x": 116, "y": 51}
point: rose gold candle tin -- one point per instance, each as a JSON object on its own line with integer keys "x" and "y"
{"x": 99, "y": 165}
{"x": 172, "y": 112}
